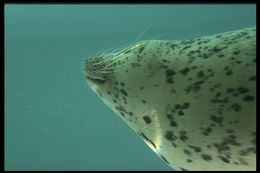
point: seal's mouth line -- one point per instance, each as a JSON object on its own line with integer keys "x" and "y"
{"x": 96, "y": 80}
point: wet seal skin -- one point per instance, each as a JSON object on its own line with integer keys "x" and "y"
{"x": 193, "y": 102}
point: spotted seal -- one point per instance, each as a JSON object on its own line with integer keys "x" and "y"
{"x": 193, "y": 102}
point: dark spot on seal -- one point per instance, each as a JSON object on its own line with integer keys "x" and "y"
{"x": 185, "y": 71}
{"x": 189, "y": 160}
{"x": 195, "y": 87}
{"x": 217, "y": 119}
{"x": 218, "y": 36}
{"x": 205, "y": 56}
{"x": 242, "y": 153}
{"x": 215, "y": 50}
{"x": 238, "y": 62}
{"x": 229, "y": 130}
{"x": 224, "y": 159}
{"x": 141, "y": 49}
{"x": 187, "y": 152}
{"x": 236, "y": 52}
{"x": 165, "y": 61}
{"x": 206, "y": 157}
{"x": 183, "y": 169}
{"x": 185, "y": 105}
{"x": 173, "y": 90}
{"x": 242, "y": 90}
{"x": 228, "y": 71}
{"x": 200, "y": 74}
{"x": 120, "y": 108}
{"x": 248, "y": 98}
{"x": 169, "y": 135}
{"x": 218, "y": 94}
{"x": 170, "y": 81}
{"x": 170, "y": 73}
{"x": 194, "y": 67}
{"x": 230, "y": 90}
{"x": 123, "y": 92}
{"x": 121, "y": 113}
{"x": 173, "y": 46}
{"x": 206, "y": 131}
{"x": 215, "y": 86}
{"x": 180, "y": 113}
{"x": 122, "y": 84}
{"x": 252, "y": 78}
{"x": 226, "y": 144}
{"x": 242, "y": 161}
{"x": 174, "y": 145}
{"x": 195, "y": 148}
{"x": 236, "y": 107}
{"x": 183, "y": 137}
{"x": 251, "y": 149}
{"x": 134, "y": 64}
{"x": 184, "y": 48}
{"x": 173, "y": 123}
{"x": 147, "y": 119}
{"x": 231, "y": 140}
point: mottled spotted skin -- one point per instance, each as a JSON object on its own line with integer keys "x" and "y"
{"x": 191, "y": 101}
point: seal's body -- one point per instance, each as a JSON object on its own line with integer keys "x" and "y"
{"x": 191, "y": 101}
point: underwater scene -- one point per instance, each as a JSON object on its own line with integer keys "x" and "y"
{"x": 129, "y": 87}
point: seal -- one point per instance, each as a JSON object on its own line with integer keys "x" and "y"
{"x": 193, "y": 102}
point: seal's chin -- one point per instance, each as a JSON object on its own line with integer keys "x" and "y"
{"x": 96, "y": 84}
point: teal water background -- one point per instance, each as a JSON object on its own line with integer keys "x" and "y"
{"x": 53, "y": 121}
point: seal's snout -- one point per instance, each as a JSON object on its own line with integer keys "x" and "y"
{"x": 97, "y": 69}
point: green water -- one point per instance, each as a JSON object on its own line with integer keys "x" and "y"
{"x": 53, "y": 121}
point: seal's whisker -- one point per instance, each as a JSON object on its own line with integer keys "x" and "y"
{"x": 107, "y": 62}
{"x": 113, "y": 62}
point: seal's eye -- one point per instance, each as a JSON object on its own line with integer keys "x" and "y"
{"x": 96, "y": 80}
